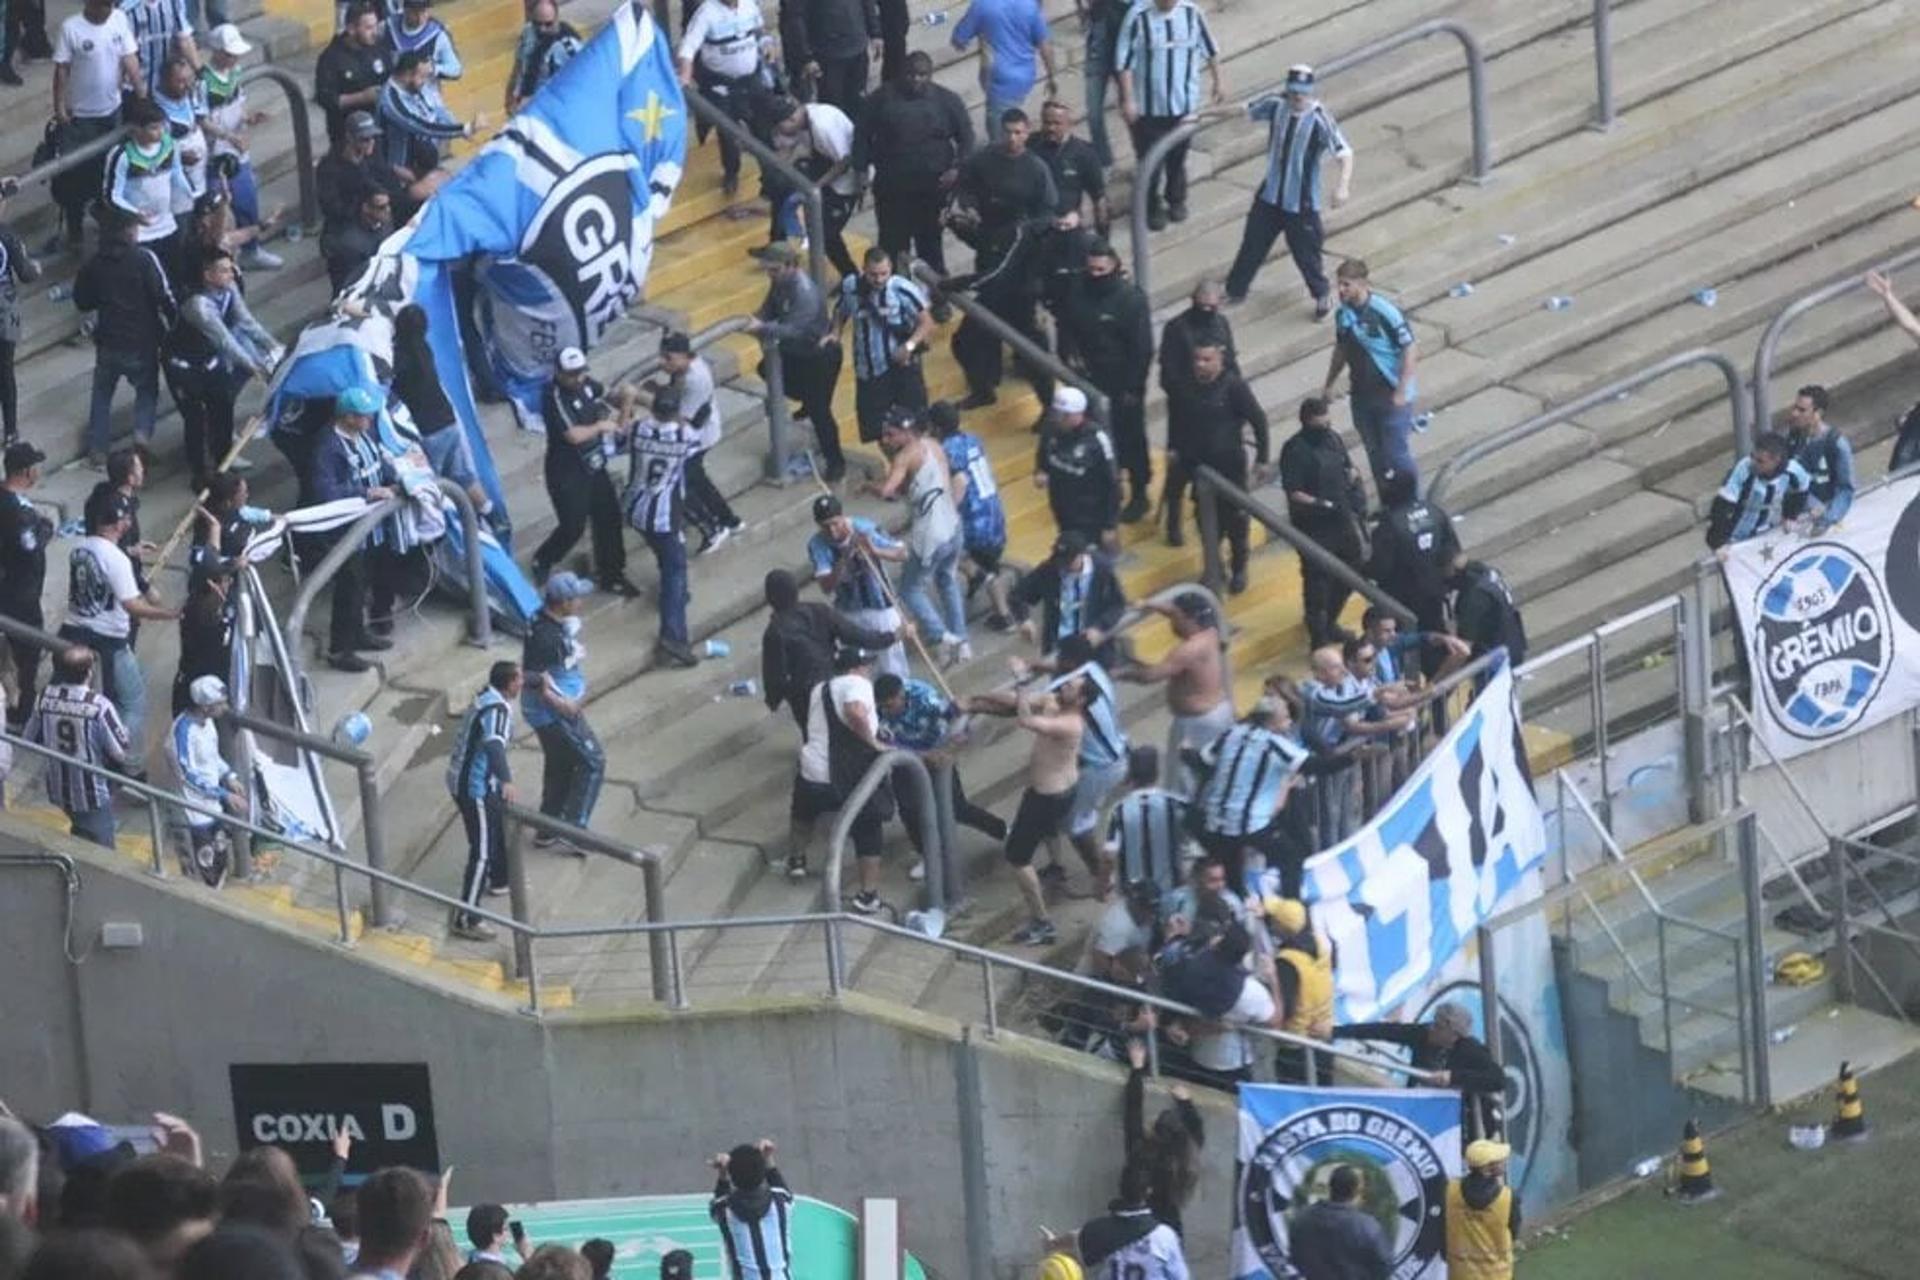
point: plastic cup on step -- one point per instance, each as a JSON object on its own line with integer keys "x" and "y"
{"x": 717, "y": 648}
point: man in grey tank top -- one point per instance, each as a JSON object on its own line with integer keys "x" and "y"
{"x": 930, "y": 584}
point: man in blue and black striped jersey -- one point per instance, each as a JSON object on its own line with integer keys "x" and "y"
{"x": 80, "y": 723}
{"x": 1338, "y": 708}
{"x": 1763, "y": 491}
{"x": 1147, "y": 828}
{"x": 161, "y": 28}
{"x": 892, "y": 325}
{"x": 754, "y": 1210}
{"x": 1157, "y": 59}
{"x": 657, "y": 506}
{"x": 1288, "y": 202}
{"x": 481, "y": 783}
{"x": 1252, "y": 769}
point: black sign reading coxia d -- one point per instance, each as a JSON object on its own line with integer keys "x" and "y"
{"x": 385, "y": 1107}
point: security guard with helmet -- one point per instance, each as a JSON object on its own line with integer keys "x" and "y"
{"x": 1303, "y": 971}
{"x": 1482, "y": 1216}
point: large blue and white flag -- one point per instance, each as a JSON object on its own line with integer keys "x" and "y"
{"x": 550, "y": 227}
{"x": 1405, "y": 1144}
{"x": 1402, "y": 897}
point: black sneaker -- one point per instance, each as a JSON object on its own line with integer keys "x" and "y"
{"x": 349, "y": 662}
{"x": 1036, "y": 933}
{"x": 999, "y": 622}
{"x": 1136, "y": 510}
{"x": 471, "y": 929}
{"x": 1237, "y": 583}
{"x": 373, "y": 641}
{"x": 1156, "y": 217}
{"x": 978, "y": 400}
{"x": 1177, "y": 212}
{"x": 678, "y": 655}
{"x": 1321, "y": 308}
{"x": 546, "y": 840}
{"x": 866, "y": 903}
{"x": 10, "y": 77}
{"x": 622, "y": 586}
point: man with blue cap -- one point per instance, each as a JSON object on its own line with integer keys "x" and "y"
{"x": 1303, "y": 134}
{"x": 348, "y": 462}
{"x": 554, "y": 703}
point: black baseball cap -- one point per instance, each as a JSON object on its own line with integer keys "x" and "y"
{"x": 677, "y": 1265}
{"x": 826, "y": 507}
{"x": 107, "y": 506}
{"x": 23, "y": 455}
{"x": 673, "y": 342}
{"x": 1069, "y": 545}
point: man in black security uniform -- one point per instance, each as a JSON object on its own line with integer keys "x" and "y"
{"x": 351, "y": 69}
{"x": 1106, "y": 330}
{"x": 1413, "y": 551}
{"x": 1206, "y": 427}
{"x": 1325, "y": 501}
{"x": 581, "y": 429}
{"x": 1202, "y": 324}
{"x": 1005, "y": 206}
{"x": 1484, "y": 611}
{"x": 24, "y": 534}
{"x": 1078, "y": 175}
{"x": 1075, "y": 465}
{"x": 914, "y": 134}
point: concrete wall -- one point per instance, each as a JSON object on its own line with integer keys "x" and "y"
{"x": 983, "y": 1141}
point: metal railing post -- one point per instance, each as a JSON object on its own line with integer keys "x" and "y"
{"x": 1769, "y": 348}
{"x": 773, "y": 373}
{"x": 953, "y": 873}
{"x": 519, "y": 901}
{"x": 677, "y": 993}
{"x": 1486, "y": 446}
{"x": 157, "y": 832}
{"x": 1156, "y": 158}
{"x": 714, "y": 116}
{"x": 240, "y": 698}
{"x": 302, "y": 135}
{"x": 836, "y": 976}
{"x": 1689, "y": 645}
{"x": 1748, "y": 838}
{"x": 1489, "y": 993}
{"x": 1842, "y": 915}
{"x": 479, "y": 610}
{"x": 658, "y": 961}
{"x": 993, "y": 1000}
{"x": 1603, "y": 65}
{"x": 346, "y": 545}
{"x": 1597, "y": 706}
{"x": 1213, "y": 573}
{"x": 876, "y": 775}
{"x": 373, "y": 834}
{"x": 1666, "y": 1004}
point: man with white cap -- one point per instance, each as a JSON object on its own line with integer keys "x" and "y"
{"x": 1075, "y": 464}
{"x": 225, "y": 123}
{"x": 1482, "y": 1216}
{"x": 1303, "y": 134}
{"x": 582, "y": 426}
{"x": 193, "y": 746}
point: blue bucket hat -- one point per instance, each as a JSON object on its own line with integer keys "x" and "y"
{"x": 567, "y": 586}
{"x": 360, "y": 400}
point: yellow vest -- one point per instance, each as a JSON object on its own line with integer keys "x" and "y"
{"x": 1479, "y": 1243}
{"x": 1313, "y": 1012}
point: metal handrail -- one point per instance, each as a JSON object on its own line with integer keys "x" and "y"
{"x": 1488, "y": 445}
{"x": 1603, "y": 113}
{"x": 1769, "y": 348}
{"x": 1156, "y": 157}
{"x": 479, "y": 621}
{"x": 1026, "y": 348}
{"x": 713, "y": 116}
{"x": 647, "y": 858}
{"x": 302, "y": 142}
{"x": 876, "y": 775}
{"x": 1210, "y": 485}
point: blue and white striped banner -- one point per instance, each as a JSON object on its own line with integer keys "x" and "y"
{"x": 1402, "y": 897}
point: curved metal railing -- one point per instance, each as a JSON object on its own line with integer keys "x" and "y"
{"x": 1769, "y": 349}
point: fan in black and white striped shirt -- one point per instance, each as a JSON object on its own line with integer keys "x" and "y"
{"x": 1147, "y": 827}
{"x": 79, "y": 722}
{"x": 656, "y": 506}
{"x": 753, "y": 1209}
{"x": 1161, "y": 48}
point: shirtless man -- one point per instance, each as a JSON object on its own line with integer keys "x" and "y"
{"x": 1195, "y": 675}
{"x": 1056, "y": 724}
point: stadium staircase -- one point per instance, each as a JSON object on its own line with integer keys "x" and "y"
{"x": 1761, "y": 162}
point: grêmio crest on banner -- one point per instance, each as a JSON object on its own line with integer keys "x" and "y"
{"x": 1831, "y": 621}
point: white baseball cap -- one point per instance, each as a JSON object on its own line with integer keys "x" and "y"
{"x": 226, "y": 38}
{"x": 572, "y": 360}
{"x": 207, "y": 691}
{"x": 1069, "y": 400}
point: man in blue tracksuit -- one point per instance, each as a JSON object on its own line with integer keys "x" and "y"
{"x": 554, "y": 703}
{"x": 1375, "y": 342}
{"x": 481, "y": 783}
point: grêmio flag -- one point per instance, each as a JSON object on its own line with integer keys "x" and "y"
{"x": 1831, "y": 621}
{"x": 385, "y": 1107}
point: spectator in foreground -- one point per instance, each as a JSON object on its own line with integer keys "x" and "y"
{"x": 1337, "y": 1239}
{"x": 1482, "y": 1215}
{"x": 554, "y": 1262}
{"x": 164, "y": 1203}
{"x": 80, "y": 722}
{"x": 752, "y": 1207}
{"x": 599, "y": 1255}
{"x": 19, "y": 1172}
{"x": 487, "y": 1231}
{"x": 1764, "y": 490}
{"x": 396, "y": 1209}
{"x": 206, "y": 777}
{"x": 89, "y": 1254}
{"x": 1130, "y": 1240}
{"x": 1445, "y": 1044}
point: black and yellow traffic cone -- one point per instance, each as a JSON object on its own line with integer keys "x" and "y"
{"x": 1696, "y": 1178}
{"x": 1849, "y": 1114}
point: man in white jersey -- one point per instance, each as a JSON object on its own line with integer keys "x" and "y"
{"x": 1129, "y": 1243}
{"x": 656, "y": 506}
{"x": 754, "y": 1210}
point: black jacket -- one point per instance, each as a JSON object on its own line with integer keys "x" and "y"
{"x": 1206, "y": 423}
{"x": 814, "y": 29}
{"x": 1083, "y": 481}
{"x": 1104, "y": 604}
{"x": 1485, "y": 614}
{"x": 344, "y": 68}
{"x": 910, "y": 141}
{"x": 347, "y": 251}
{"x": 1192, "y": 328}
{"x": 25, "y": 532}
{"x": 1315, "y": 461}
{"x": 1106, "y": 326}
{"x": 1469, "y": 1063}
{"x": 1008, "y": 191}
{"x": 1413, "y": 550}
{"x": 1162, "y": 1198}
{"x": 796, "y": 652}
{"x": 128, "y": 287}
{"x": 1329, "y": 1241}
{"x": 343, "y": 183}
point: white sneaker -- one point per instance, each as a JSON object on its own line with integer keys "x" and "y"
{"x": 918, "y": 871}
{"x": 260, "y": 259}
{"x": 964, "y": 653}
